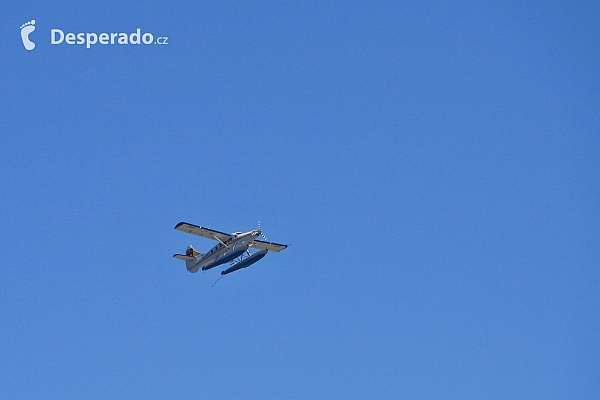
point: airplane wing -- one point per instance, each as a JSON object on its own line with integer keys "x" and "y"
{"x": 259, "y": 244}
{"x": 200, "y": 231}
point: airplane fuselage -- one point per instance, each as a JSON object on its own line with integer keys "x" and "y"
{"x": 223, "y": 252}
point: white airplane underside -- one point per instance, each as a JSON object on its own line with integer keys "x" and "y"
{"x": 232, "y": 248}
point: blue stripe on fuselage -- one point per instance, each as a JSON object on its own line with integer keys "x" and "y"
{"x": 224, "y": 259}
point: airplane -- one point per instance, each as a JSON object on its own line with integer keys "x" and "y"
{"x": 232, "y": 248}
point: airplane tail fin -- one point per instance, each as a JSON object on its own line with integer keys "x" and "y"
{"x": 191, "y": 252}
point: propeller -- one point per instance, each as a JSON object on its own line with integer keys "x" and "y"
{"x": 261, "y": 234}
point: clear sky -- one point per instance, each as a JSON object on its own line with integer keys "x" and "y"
{"x": 435, "y": 164}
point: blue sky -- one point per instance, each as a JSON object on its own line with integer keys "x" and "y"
{"x": 434, "y": 164}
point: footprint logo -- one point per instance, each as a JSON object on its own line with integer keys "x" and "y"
{"x": 26, "y": 29}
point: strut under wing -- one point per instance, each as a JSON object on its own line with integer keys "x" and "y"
{"x": 259, "y": 244}
{"x": 200, "y": 231}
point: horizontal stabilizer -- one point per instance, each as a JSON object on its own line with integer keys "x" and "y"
{"x": 184, "y": 258}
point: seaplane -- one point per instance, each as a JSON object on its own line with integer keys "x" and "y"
{"x": 231, "y": 248}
